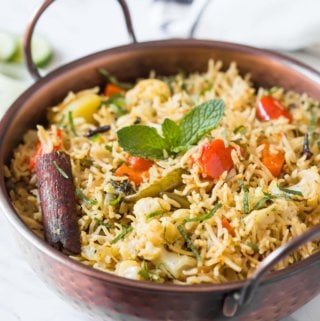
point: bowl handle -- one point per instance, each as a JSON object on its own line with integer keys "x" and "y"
{"x": 245, "y": 295}
{"x": 31, "y": 25}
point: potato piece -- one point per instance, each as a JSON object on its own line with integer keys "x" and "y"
{"x": 129, "y": 269}
{"x": 84, "y": 106}
{"x": 175, "y": 263}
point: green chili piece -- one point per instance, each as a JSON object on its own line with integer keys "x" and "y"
{"x": 246, "y": 209}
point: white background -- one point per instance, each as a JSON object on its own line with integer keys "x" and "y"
{"x": 76, "y": 28}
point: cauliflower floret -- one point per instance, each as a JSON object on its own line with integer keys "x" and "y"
{"x": 147, "y": 205}
{"x": 149, "y": 251}
{"x": 267, "y": 216}
{"x": 129, "y": 269}
{"x": 148, "y": 90}
{"x": 127, "y": 249}
{"x": 175, "y": 263}
{"x": 309, "y": 185}
{"x": 170, "y": 231}
{"x": 149, "y": 233}
{"x": 255, "y": 195}
{"x": 260, "y": 218}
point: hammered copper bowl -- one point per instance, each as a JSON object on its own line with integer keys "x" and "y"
{"x": 105, "y": 296}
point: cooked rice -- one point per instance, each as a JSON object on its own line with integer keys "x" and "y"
{"x": 155, "y": 245}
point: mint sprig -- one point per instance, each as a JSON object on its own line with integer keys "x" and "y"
{"x": 199, "y": 121}
{"x": 142, "y": 141}
{"x": 145, "y": 141}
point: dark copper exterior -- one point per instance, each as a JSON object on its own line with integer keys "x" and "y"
{"x": 103, "y": 295}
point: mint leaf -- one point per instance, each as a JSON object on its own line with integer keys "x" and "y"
{"x": 199, "y": 121}
{"x": 171, "y": 133}
{"x": 145, "y": 141}
{"x": 142, "y": 141}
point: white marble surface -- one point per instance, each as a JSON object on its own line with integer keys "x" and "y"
{"x": 76, "y": 28}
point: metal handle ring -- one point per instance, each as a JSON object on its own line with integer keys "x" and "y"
{"x": 233, "y": 301}
{"x": 32, "y": 68}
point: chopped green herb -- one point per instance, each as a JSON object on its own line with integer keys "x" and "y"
{"x": 116, "y": 201}
{"x": 125, "y": 230}
{"x": 114, "y": 80}
{"x": 117, "y": 99}
{"x": 290, "y": 191}
{"x": 204, "y": 216}
{"x": 246, "y": 209}
{"x": 183, "y": 233}
{"x": 154, "y": 214}
{"x": 71, "y": 123}
{"x": 164, "y": 233}
{"x": 60, "y": 170}
{"x": 147, "y": 275}
{"x": 209, "y": 86}
{"x": 103, "y": 223}
{"x": 165, "y": 268}
{"x": 95, "y": 138}
{"x": 117, "y": 104}
{"x": 108, "y": 148}
{"x": 145, "y": 141}
{"x": 80, "y": 195}
{"x": 264, "y": 200}
{"x": 119, "y": 111}
{"x": 241, "y": 129}
{"x": 253, "y": 246}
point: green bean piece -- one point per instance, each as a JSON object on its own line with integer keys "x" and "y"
{"x": 182, "y": 200}
{"x": 164, "y": 184}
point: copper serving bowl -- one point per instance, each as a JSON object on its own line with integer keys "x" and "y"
{"x": 103, "y": 296}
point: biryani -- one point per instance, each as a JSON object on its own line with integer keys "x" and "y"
{"x": 187, "y": 179}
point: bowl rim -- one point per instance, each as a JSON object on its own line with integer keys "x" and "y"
{"x": 47, "y": 250}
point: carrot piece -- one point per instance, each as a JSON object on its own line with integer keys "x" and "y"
{"x": 39, "y": 150}
{"x": 274, "y": 162}
{"x": 134, "y": 176}
{"x": 215, "y": 158}
{"x": 269, "y": 108}
{"x": 59, "y": 135}
{"x": 111, "y": 89}
{"x": 139, "y": 163}
{"x": 34, "y": 158}
{"x": 226, "y": 225}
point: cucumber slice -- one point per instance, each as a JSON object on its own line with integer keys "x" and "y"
{"x": 41, "y": 51}
{"x": 8, "y": 46}
{"x": 14, "y": 71}
{"x": 18, "y": 56}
